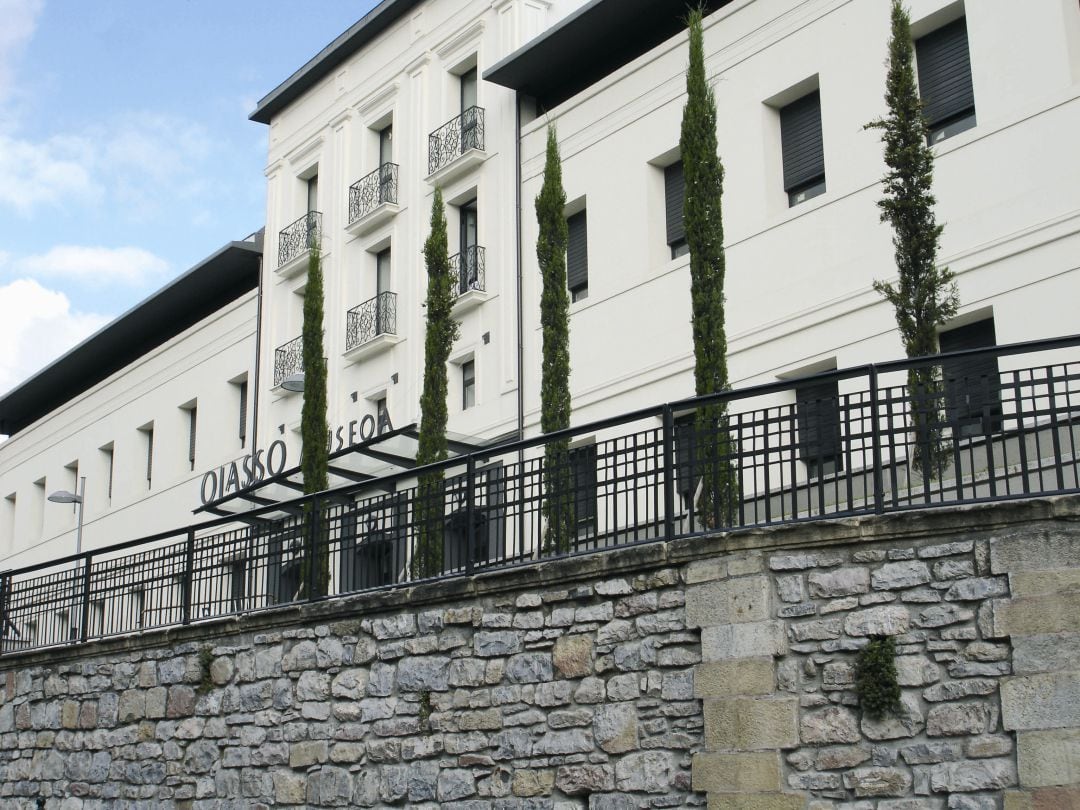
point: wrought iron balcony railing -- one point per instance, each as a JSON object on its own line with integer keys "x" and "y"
{"x": 455, "y": 138}
{"x": 468, "y": 270}
{"x": 844, "y": 443}
{"x": 372, "y": 190}
{"x": 288, "y": 359}
{"x": 370, "y": 319}
{"x": 301, "y": 235}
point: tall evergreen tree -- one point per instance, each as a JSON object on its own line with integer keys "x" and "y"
{"x": 925, "y": 295}
{"x": 441, "y": 333}
{"x": 555, "y": 372}
{"x": 313, "y": 427}
{"x": 704, "y": 177}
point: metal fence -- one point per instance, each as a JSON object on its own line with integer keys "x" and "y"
{"x": 366, "y": 321}
{"x": 288, "y": 359}
{"x": 373, "y": 190}
{"x": 849, "y": 442}
{"x": 456, "y": 137}
{"x": 299, "y": 237}
{"x": 469, "y": 269}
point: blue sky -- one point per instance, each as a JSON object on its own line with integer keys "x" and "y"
{"x": 126, "y": 155}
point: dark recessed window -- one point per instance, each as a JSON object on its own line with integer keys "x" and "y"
{"x": 577, "y": 257}
{"x": 817, "y": 411}
{"x": 583, "y": 463}
{"x": 674, "y": 193}
{"x": 945, "y": 81}
{"x": 804, "y": 152}
{"x": 972, "y": 384}
{"x": 468, "y": 385}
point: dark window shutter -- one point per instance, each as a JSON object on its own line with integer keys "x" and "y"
{"x": 149, "y": 456}
{"x": 674, "y": 194}
{"x": 577, "y": 254}
{"x": 583, "y": 461}
{"x": 800, "y": 138}
{"x": 817, "y": 410}
{"x": 945, "y": 73}
{"x": 685, "y": 454}
{"x": 193, "y": 415}
{"x": 972, "y": 384}
{"x": 243, "y": 412}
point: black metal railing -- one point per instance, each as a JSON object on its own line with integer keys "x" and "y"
{"x": 456, "y": 137}
{"x": 298, "y": 237}
{"x": 377, "y": 316}
{"x": 373, "y": 190}
{"x": 468, "y": 268}
{"x": 760, "y": 456}
{"x": 288, "y": 359}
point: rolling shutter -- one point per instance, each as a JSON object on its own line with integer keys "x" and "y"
{"x": 193, "y": 416}
{"x": 817, "y": 411}
{"x": 577, "y": 254}
{"x": 674, "y": 193}
{"x": 583, "y": 461}
{"x": 800, "y": 137}
{"x": 945, "y": 73}
{"x": 243, "y": 412}
{"x": 972, "y": 384}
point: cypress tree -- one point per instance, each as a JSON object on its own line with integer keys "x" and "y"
{"x": 925, "y": 296}
{"x": 555, "y": 371}
{"x": 704, "y": 177}
{"x": 313, "y": 427}
{"x": 440, "y": 335}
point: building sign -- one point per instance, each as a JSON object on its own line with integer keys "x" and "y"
{"x": 243, "y": 472}
{"x": 357, "y": 431}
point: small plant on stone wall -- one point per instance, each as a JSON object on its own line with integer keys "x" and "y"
{"x": 425, "y": 709}
{"x": 206, "y": 658}
{"x": 875, "y": 678}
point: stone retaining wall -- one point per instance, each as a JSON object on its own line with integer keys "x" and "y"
{"x": 714, "y": 671}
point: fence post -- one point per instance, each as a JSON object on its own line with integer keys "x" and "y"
{"x": 470, "y": 512}
{"x": 875, "y": 434}
{"x": 189, "y": 577}
{"x": 669, "y": 472}
{"x": 84, "y": 629}
{"x": 312, "y": 544}
{"x": 5, "y": 592}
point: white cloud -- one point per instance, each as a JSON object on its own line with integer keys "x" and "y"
{"x": 98, "y": 266}
{"x": 19, "y": 21}
{"x": 37, "y": 325}
{"x": 52, "y": 172}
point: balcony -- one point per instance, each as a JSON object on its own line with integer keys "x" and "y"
{"x": 373, "y": 199}
{"x": 468, "y": 269}
{"x": 295, "y": 241}
{"x": 456, "y": 146}
{"x": 371, "y": 327}
{"x": 288, "y": 359}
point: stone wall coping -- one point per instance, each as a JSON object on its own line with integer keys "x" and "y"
{"x": 561, "y": 572}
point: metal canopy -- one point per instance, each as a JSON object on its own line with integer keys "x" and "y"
{"x": 392, "y": 452}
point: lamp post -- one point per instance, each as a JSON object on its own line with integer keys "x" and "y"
{"x": 63, "y": 496}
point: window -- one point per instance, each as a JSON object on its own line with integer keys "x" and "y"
{"x": 108, "y": 452}
{"x": 583, "y": 464}
{"x": 817, "y": 413}
{"x": 9, "y": 523}
{"x": 945, "y": 81}
{"x": 386, "y": 157}
{"x": 384, "y": 309}
{"x": 236, "y": 571}
{"x": 469, "y": 272}
{"x": 972, "y": 384}
{"x": 313, "y": 193}
{"x": 243, "y": 386}
{"x": 577, "y": 257}
{"x": 193, "y": 414}
{"x": 148, "y": 432}
{"x": 674, "y": 193}
{"x": 468, "y": 385}
{"x": 803, "y": 150}
{"x": 470, "y": 130}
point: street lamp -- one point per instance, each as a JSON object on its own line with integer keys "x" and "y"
{"x": 294, "y": 382}
{"x": 63, "y": 496}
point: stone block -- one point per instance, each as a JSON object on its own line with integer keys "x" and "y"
{"x": 956, "y": 719}
{"x": 731, "y": 601}
{"x": 835, "y": 724}
{"x": 529, "y": 783}
{"x": 572, "y": 656}
{"x": 290, "y": 788}
{"x": 1037, "y": 583}
{"x": 615, "y": 728}
{"x": 1036, "y": 615}
{"x": 878, "y": 781}
{"x": 755, "y": 801}
{"x": 895, "y": 575}
{"x": 735, "y": 676}
{"x": 1050, "y": 700}
{"x": 1034, "y": 549}
{"x": 308, "y": 753}
{"x": 886, "y": 620}
{"x": 1049, "y": 758}
{"x": 751, "y": 724}
{"x": 841, "y": 582}
{"x": 976, "y": 588}
{"x": 645, "y": 771}
{"x": 584, "y": 779}
{"x": 916, "y": 670}
{"x": 749, "y": 640}
{"x": 1045, "y": 653}
{"x": 819, "y": 630}
{"x": 733, "y": 773}
{"x": 972, "y": 775}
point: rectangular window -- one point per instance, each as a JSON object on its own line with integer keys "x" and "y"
{"x": 193, "y": 414}
{"x": 236, "y": 570}
{"x": 817, "y": 412}
{"x": 386, "y": 157}
{"x": 9, "y": 524}
{"x": 972, "y": 384}
{"x": 148, "y": 432}
{"x": 469, "y": 272}
{"x": 110, "y": 459}
{"x": 803, "y": 148}
{"x": 382, "y": 417}
{"x": 470, "y": 129}
{"x": 583, "y": 463}
{"x": 243, "y": 412}
{"x": 577, "y": 257}
{"x": 674, "y": 193}
{"x": 945, "y": 81}
{"x": 313, "y": 193}
{"x": 468, "y": 385}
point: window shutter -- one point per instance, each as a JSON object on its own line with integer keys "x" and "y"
{"x": 685, "y": 454}
{"x": 193, "y": 415}
{"x": 674, "y": 194}
{"x": 972, "y": 384}
{"x": 800, "y": 137}
{"x": 243, "y": 412}
{"x": 945, "y": 73}
{"x": 817, "y": 410}
{"x": 577, "y": 254}
{"x": 149, "y": 455}
{"x": 583, "y": 461}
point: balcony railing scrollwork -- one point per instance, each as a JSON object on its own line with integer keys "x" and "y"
{"x": 468, "y": 270}
{"x": 288, "y": 359}
{"x": 373, "y": 190}
{"x": 298, "y": 237}
{"x": 377, "y": 316}
{"x": 455, "y": 138}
